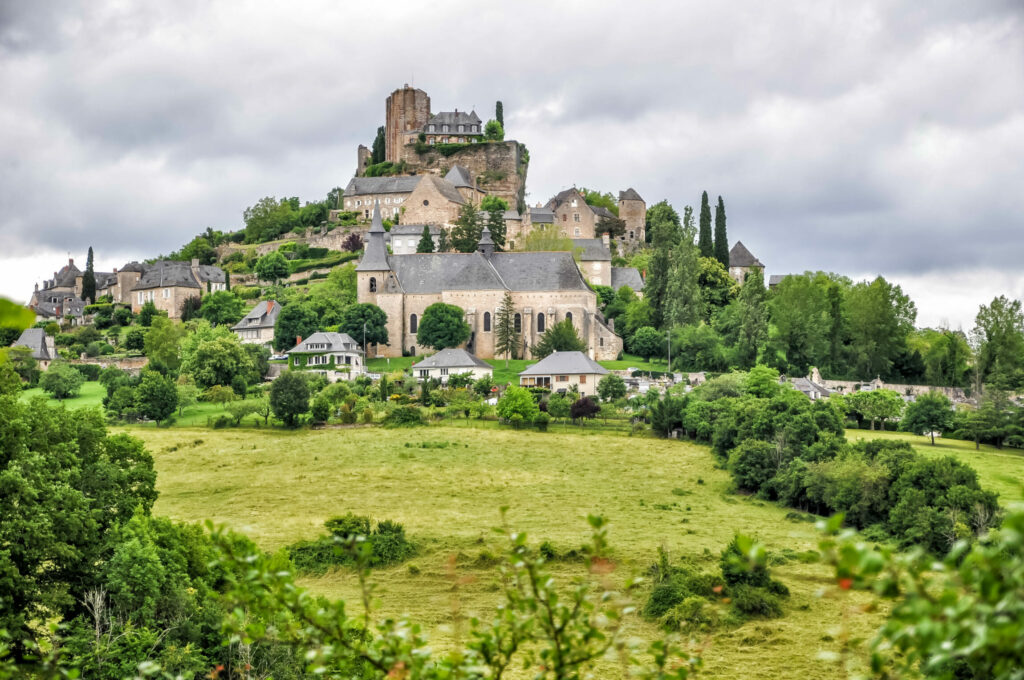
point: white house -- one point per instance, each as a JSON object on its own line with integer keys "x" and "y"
{"x": 257, "y": 327}
{"x": 337, "y": 355}
{"x": 449, "y": 362}
{"x": 560, "y": 371}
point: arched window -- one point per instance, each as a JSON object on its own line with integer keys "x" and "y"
{"x": 373, "y": 284}
{"x": 487, "y": 322}
{"x": 517, "y": 322}
{"x": 568, "y": 316}
{"x": 413, "y": 325}
{"x": 540, "y": 322}
{"x": 412, "y": 350}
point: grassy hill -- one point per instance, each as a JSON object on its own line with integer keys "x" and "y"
{"x": 279, "y": 487}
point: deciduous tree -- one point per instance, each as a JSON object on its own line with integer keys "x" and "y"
{"x": 442, "y": 326}
{"x": 927, "y": 414}
{"x": 559, "y": 337}
{"x": 366, "y": 316}
{"x": 271, "y": 267}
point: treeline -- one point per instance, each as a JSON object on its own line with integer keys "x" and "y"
{"x": 849, "y": 330}
{"x": 780, "y": 445}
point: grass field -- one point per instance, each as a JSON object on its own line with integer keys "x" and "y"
{"x": 279, "y": 487}
{"x": 999, "y": 470}
{"x": 91, "y": 395}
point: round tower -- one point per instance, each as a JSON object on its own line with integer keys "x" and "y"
{"x": 633, "y": 211}
{"x": 407, "y": 110}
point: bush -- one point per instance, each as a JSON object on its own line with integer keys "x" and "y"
{"x": 388, "y": 545}
{"x": 61, "y": 381}
{"x": 367, "y": 415}
{"x": 541, "y": 421}
{"x": 751, "y": 601}
{"x": 404, "y": 416}
{"x": 88, "y": 371}
{"x": 321, "y": 410}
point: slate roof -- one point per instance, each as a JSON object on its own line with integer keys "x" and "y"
{"x": 629, "y": 195}
{"x": 561, "y": 197}
{"x": 808, "y": 387}
{"x": 459, "y": 177}
{"x": 453, "y": 118}
{"x": 336, "y": 342}
{"x": 66, "y": 276}
{"x": 538, "y": 271}
{"x": 171, "y": 274}
{"x": 601, "y": 211}
{"x": 541, "y": 215}
{"x": 375, "y": 255}
{"x": 35, "y": 340}
{"x": 105, "y": 279}
{"x": 358, "y": 186}
{"x": 452, "y": 357}
{"x": 445, "y": 188}
{"x": 565, "y": 363}
{"x": 413, "y": 230}
{"x": 593, "y": 249}
{"x": 70, "y": 306}
{"x": 133, "y": 267}
{"x": 436, "y": 272}
{"x": 776, "y": 279}
{"x": 263, "y": 315}
{"x": 627, "y": 276}
{"x": 739, "y": 256}
{"x": 512, "y": 215}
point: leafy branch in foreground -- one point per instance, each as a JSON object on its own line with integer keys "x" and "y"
{"x": 561, "y": 633}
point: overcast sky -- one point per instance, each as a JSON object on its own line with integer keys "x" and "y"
{"x": 859, "y": 137}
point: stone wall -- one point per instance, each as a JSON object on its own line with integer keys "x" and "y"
{"x": 499, "y": 168}
{"x": 406, "y": 109}
{"x": 634, "y": 214}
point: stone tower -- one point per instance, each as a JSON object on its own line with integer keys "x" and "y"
{"x": 407, "y": 110}
{"x": 633, "y": 211}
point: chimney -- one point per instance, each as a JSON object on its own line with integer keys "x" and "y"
{"x": 298, "y": 340}
{"x": 604, "y": 238}
{"x": 270, "y": 306}
{"x": 71, "y": 262}
{"x": 115, "y": 270}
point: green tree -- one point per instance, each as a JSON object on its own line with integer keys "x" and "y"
{"x": 214, "y": 357}
{"x": 880, "y": 319}
{"x": 499, "y": 113}
{"x": 442, "y": 326}
{"x": 799, "y": 312}
{"x": 188, "y": 393}
{"x": 467, "y": 229}
{"x": 559, "y": 337}
{"x": 271, "y": 267}
{"x": 762, "y": 381}
{"x": 665, "y": 231}
{"x": 721, "y": 237}
{"x": 426, "y": 244}
{"x": 752, "y": 331}
{"x": 544, "y": 238}
{"x": 61, "y": 380}
{"x": 613, "y": 226}
{"x": 89, "y": 280}
{"x": 517, "y": 401}
{"x": 927, "y": 414}
{"x": 705, "y": 244}
{"x": 495, "y": 207}
{"x": 558, "y": 406}
{"x": 443, "y": 241}
{"x": 156, "y": 395}
{"x": 222, "y": 308}
{"x": 135, "y": 339}
{"x": 610, "y": 388}
{"x": 378, "y": 151}
{"x": 162, "y": 343}
{"x": 296, "y": 320}
{"x": 506, "y": 339}
{"x": 999, "y": 334}
{"x": 648, "y": 342}
{"x": 494, "y": 131}
{"x": 947, "y": 359}
{"x": 683, "y": 305}
{"x": 148, "y": 313}
{"x": 366, "y": 316}
{"x": 289, "y": 397}
{"x": 717, "y": 288}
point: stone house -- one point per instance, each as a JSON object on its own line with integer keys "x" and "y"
{"x": 595, "y": 261}
{"x": 404, "y": 239}
{"x": 452, "y": 127}
{"x": 444, "y": 196}
{"x": 449, "y": 362}
{"x": 168, "y": 283}
{"x": 546, "y": 287}
{"x": 337, "y": 355}
{"x": 66, "y": 282}
{"x": 742, "y": 262}
{"x": 257, "y": 327}
{"x": 561, "y": 371}
{"x": 40, "y": 344}
{"x": 434, "y": 201}
{"x": 573, "y": 216}
{"x": 362, "y": 193}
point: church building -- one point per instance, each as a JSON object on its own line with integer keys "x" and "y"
{"x": 546, "y": 287}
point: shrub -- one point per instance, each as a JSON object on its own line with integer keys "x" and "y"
{"x": 61, "y": 381}
{"x": 404, "y": 416}
{"x": 752, "y": 601}
{"x": 388, "y": 544}
{"x": 88, "y": 371}
{"x": 367, "y": 415}
{"x": 321, "y": 409}
{"x": 541, "y": 421}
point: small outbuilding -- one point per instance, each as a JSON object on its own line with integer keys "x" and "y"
{"x": 560, "y": 371}
{"x": 449, "y": 362}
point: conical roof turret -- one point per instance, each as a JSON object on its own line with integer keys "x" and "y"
{"x": 375, "y": 252}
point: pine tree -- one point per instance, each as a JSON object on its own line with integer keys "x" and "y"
{"x": 721, "y": 238}
{"x": 499, "y": 113}
{"x": 443, "y": 244}
{"x": 426, "y": 244}
{"x": 704, "y": 242}
{"x": 89, "y": 280}
{"x": 467, "y": 229}
{"x": 496, "y": 225}
{"x": 505, "y": 337}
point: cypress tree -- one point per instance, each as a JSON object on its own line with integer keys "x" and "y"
{"x": 721, "y": 238}
{"x": 426, "y": 244}
{"x": 89, "y": 280}
{"x": 499, "y": 113}
{"x": 378, "y": 150}
{"x": 704, "y": 242}
{"x": 443, "y": 245}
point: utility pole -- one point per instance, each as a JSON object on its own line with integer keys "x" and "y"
{"x": 668, "y": 337}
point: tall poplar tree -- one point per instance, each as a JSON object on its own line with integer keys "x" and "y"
{"x": 499, "y": 113}
{"x": 683, "y": 303}
{"x": 663, "y": 225}
{"x": 753, "y": 319}
{"x": 443, "y": 243}
{"x": 505, "y": 337}
{"x": 426, "y": 244}
{"x": 721, "y": 238}
{"x": 89, "y": 280}
{"x": 704, "y": 242}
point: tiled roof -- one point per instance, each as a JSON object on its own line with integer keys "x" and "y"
{"x": 541, "y": 215}
{"x": 459, "y": 177}
{"x": 375, "y": 255}
{"x": 35, "y": 340}
{"x": 436, "y": 272}
{"x": 453, "y": 118}
{"x": 172, "y": 274}
{"x": 538, "y": 271}
{"x": 413, "y": 230}
{"x": 445, "y": 188}
{"x": 452, "y": 357}
{"x": 565, "y": 363}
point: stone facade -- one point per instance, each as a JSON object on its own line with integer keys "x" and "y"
{"x": 573, "y": 217}
{"x": 433, "y": 201}
{"x": 167, "y": 284}
{"x": 498, "y": 168}
{"x": 406, "y": 110}
{"x": 633, "y": 211}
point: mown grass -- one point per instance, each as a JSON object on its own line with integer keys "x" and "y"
{"x": 1001, "y": 470}
{"x": 91, "y": 395}
{"x": 279, "y": 487}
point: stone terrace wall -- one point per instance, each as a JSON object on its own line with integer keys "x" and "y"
{"x": 498, "y": 167}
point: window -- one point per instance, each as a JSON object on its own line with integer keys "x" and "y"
{"x": 574, "y": 202}
{"x": 432, "y": 128}
{"x": 358, "y": 203}
{"x": 487, "y": 322}
{"x": 600, "y": 342}
{"x": 412, "y": 350}
{"x": 565, "y": 217}
{"x": 631, "y": 234}
{"x": 575, "y": 217}
{"x": 426, "y": 202}
{"x": 576, "y": 231}
{"x": 511, "y": 245}
{"x": 373, "y": 284}
{"x": 348, "y": 203}
{"x": 424, "y": 373}
{"x": 568, "y": 315}
{"x": 444, "y": 128}
{"x": 412, "y": 323}
{"x": 444, "y": 371}
{"x": 583, "y": 380}
{"x": 540, "y": 322}
{"x": 517, "y": 323}
{"x": 462, "y": 128}
{"x": 561, "y": 378}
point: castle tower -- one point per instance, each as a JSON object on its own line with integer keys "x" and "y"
{"x": 407, "y": 110}
{"x": 633, "y": 211}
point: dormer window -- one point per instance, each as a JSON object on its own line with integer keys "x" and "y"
{"x": 462, "y": 128}
{"x": 444, "y": 128}
{"x": 431, "y": 128}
